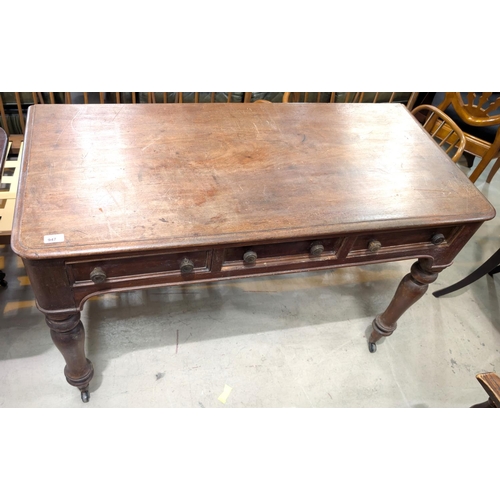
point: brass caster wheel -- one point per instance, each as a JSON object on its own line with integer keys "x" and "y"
{"x": 372, "y": 347}
{"x": 85, "y": 396}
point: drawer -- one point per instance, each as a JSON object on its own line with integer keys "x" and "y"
{"x": 281, "y": 253}
{"x": 396, "y": 240}
{"x": 109, "y": 269}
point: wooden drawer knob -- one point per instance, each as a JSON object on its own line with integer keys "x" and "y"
{"x": 374, "y": 245}
{"x": 187, "y": 266}
{"x": 98, "y": 275}
{"x": 317, "y": 249}
{"x": 438, "y": 238}
{"x": 250, "y": 257}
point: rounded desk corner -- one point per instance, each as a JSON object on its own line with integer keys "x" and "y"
{"x": 16, "y": 247}
{"x": 19, "y": 249}
{"x": 488, "y": 215}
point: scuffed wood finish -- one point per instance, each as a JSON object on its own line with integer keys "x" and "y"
{"x": 157, "y": 195}
{"x": 163, "y": 176}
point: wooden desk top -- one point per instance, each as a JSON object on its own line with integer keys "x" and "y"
{"x": 118, "y": 178}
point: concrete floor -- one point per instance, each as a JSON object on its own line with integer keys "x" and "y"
{"x": 290, "y": 341}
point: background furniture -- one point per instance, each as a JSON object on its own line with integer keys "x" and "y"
{"x": 8, "y": 191}
{"x": 3, "y": 150}
{"x": 491, "y": 384}
{"x": 407, "y": 98}
{"x": 491, "y": 266}
{"x": 434, "y": 121}
{"x": 478, "y": 115}
{"x": 14, "y": 105}
{"x": 233, "y": 191}
{"x": 3, "y": 155}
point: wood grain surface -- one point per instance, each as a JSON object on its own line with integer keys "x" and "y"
{"x": 121, "y": 178}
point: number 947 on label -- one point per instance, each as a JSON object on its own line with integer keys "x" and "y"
{"x": 53, "y": 238}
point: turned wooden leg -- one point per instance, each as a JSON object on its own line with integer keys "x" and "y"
{"x": 412, "y": 287}
{"x": 68, "y": 335}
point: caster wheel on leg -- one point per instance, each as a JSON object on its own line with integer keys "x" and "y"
{"x": 85, "y": 396}
{"x": 372, "y": 347}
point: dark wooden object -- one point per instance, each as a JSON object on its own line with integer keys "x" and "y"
{"x": 122, "y": 197}
{"x": 3, "y": 154}
{"x": 491, "y": 384}
{"x": 491, "y": 267}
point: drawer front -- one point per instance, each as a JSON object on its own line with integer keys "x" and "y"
{"x": 115, "y": 268}
{"x": 369, "y": 244}
{"x": 280, "y": 253}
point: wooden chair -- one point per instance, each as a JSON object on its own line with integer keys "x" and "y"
{"x": 13, "y": 114}
{"x": 478, "y": 115}
{"x": 407, "y": 98}
{"x": 14, "y": 105}
{"x": 491, "y": 384}
{"x": 435, "y": 121}
{"x": 194, "y": 97}
{"x": 310, "y": 96}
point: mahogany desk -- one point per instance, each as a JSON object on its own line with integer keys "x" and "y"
{"x": 121, "y": 197}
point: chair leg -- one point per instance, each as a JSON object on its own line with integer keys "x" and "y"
{"x": 486, "y": 404}
{"x": 489, "y": 266}
{"x": 494, "y": 170}
{"x": 485, "y": 160}
{"x": 495, "y": 271}
{"x": 2, "y": 279}
{"x": 469, "y": 158}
